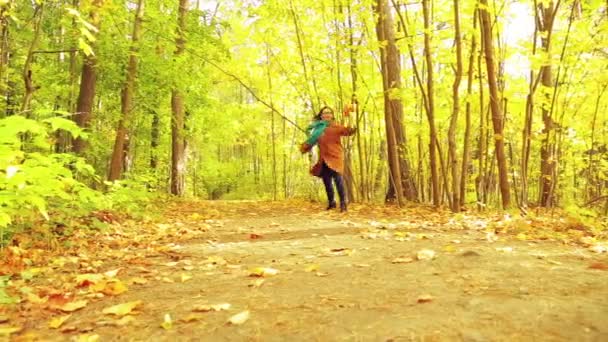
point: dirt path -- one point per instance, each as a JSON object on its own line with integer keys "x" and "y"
{"x": 354, "y": 277}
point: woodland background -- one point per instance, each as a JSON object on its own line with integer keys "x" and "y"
{"x": 466, "y": 104}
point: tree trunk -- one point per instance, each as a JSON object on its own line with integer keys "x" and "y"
{"x": 430, "y": 102}
{"x": 466, "y": 153}
{"x": 495, "y": 105}
{"x": 88, "y": 80}
{"x": 178, "y": 148}
{"x": 547, "y": 150}
{"x": 453, "y": 157}
{"x": 118, "y": 156}
{"x": 27, "y": 70}
{"x": 390, "y": 55}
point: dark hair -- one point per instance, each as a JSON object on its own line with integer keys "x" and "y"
{"x": 318, "y": 116}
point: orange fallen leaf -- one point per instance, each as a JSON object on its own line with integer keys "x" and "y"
{"x": 599, "y": 266}
{"x": 425, "y": 298}
{"x": 114, "y": 288}
{"x": 7, "y": 331}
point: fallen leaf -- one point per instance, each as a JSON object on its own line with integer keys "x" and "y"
{"x": 322, "y": 274}
{"x": 58, "y": 321}
{"x": 239, "y": 318}
{"x": 263, "y": 272}
{"x": 4, "y": 319}
{"x": 124, "y": 320}
{"x": 402, "y": 260}
{"x": 167, "y": 322}
{"x": 88, "y": 279}
{"x": 114, "y": 288}
{"x": 190, "y": 318}
{"x": 188, "y": 268}
{"x": 122, "y": 309}
{"x": 425, "y": 298}
{"x": 425, "y": 254}
{"x": 257, "y": 283}
{"x": 73, "y": 306}
{"x": 505, "y": 249}
{"x": 87, "y": 338}
{"x": 598, "y": 249}
{"x": 34, "y": 299}
{"x": 185, "y": 277}
{"x": 311, "y": 268}
{"x": 7, "y": 331}
{"x": 254, "y": 236}
{"x": 112, "y": 273}
{"x": 211, "y": 307}
{"x": 599, "y": 266}
{"x": 522, "y": 237}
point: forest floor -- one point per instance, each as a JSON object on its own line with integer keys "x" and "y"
{"x": 291, "y": 271}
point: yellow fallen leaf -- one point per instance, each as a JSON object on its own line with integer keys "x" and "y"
{"x": 167, "y": 322}
{"x": 449, "y": 248}
{"x": 58, "y": 321}
{"x": 212, "y": 307}
{"x": 185, "y": 277}
{"x": 122, "y": 309}
{"x": 239, "y": 318}
{"x": 425, "y": 254}
{"x": 522, "y": 237}
{"x": 34, "y": 299}
{"x": 87, "y": 338}
{"x": 190, "y": 318}
{"x": 73, "y": 306}
{"x": 112, "y": 273}
{"x": 88, "y": 279}
{"x": 402, "y": 260}
{"x": 263, "y": 272}
{"x": 256, "y": 283}
{"x": 114, "y": 288}
{"x": 7, "y": 331}
{"x": 124, "y": 320}
{"x": 311, "y": 268}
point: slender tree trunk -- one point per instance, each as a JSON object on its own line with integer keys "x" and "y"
{"x": 547, "y": 150}
{"x": 272, "y": 129}
{"x": 118, "y": 156}
{"x": 88, "y": 80}
{"x": 388, "y": 55}
{"x": 453, "y": 156}
{"x": 27, "y": 67}
{"x": 430, "y": 105}
{"x": 495, "y": 105}
{"x": 466, "y": 153}
{"x": 178, "y": 148}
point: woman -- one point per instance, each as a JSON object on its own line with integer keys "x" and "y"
{"x": 326, "y": 133}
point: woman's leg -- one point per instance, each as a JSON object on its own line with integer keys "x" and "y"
{"x": 326, "y": 175}
{"x": 340, "y": 185}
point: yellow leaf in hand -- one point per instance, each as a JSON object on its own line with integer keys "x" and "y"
{"x": 73, "y": 306}
{"x": 122, "y": 309}
{"x": 58, "y": 321}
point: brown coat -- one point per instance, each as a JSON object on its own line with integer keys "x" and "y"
{"x": 330, "y": 147}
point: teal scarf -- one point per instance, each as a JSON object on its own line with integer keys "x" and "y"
{"x": 315, "y": 130}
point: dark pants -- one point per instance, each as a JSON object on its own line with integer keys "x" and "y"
{"x": 328, "y": 174}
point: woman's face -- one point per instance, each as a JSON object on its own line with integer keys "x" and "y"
{"x": 327, "y": 114}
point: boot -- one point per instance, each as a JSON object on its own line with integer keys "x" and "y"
{"x": 343, "y": 208}
{"x": 332, "y": 205}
